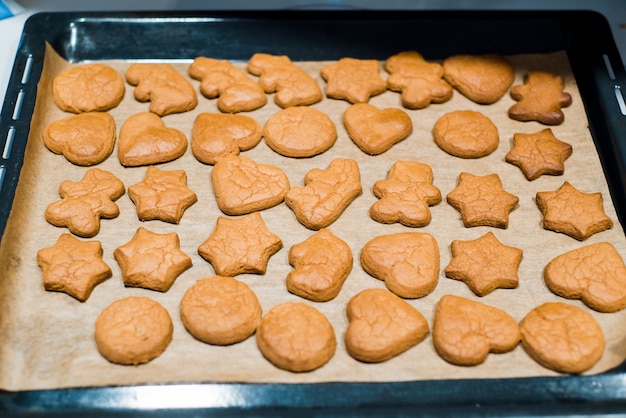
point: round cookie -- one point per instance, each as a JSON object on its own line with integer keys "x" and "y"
{"x": 88, "y": 88}
{"x": 220, "y": 310}
{"x": 466, "y": 134}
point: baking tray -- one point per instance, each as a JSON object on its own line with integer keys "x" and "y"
{"x": 328, "y": 35}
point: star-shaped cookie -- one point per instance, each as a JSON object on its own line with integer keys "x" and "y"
{"x": 484, "y": 264}
{"x": 354, "y": 80}
{"x": 539, "y": 153}
{"x": 73, "y": 266}
{"x": 240, "y": 245}
{"x": 482, "y": 201}
{"x": 572, "y": 212}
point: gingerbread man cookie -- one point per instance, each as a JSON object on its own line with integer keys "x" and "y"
{"x": 540, "y": 99}
{"x": 354, "y": 80}
{"x": 376, "y": 130}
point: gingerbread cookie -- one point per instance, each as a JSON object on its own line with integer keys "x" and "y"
{"x": 466, "y": 134}
{"x": 540, "y": 99}
{"x": 484, "y": 264}
{"x": 326, "y": 193}
{"x": 296, "y": 337}
{"x": 167, "y": 90}
{"x": 278, "y": 74}
{"x": 376, "y": 130}
{"x": 88, "y": 88}
{"x": 406, "y": 194}
{"x": 354, "y": 80}
{"x": 562, "y": 337}
{"x": 133, "y": 330}
{"x": 367, "y": 340}
{"x": 466, "y": 331}
{"x": 236, "y": 92}
{"x": 573, "y": 212}
{"x": 539, "y": 153}
{"x": 83, "y": 203}
{"x": 220, "y": 310}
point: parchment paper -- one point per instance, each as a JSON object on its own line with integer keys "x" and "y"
{"x": 46, "y": 338}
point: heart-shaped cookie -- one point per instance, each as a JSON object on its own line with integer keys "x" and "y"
{"x": 145, "y": 140}
{"x": 242, "y": 186}
{"x": 376, "y": 130}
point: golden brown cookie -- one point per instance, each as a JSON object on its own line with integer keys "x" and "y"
{"x": 466, "y": 331}
{"x": 236, "y": 92}
{"x": 145, "y": 140}
{"x": 419, "y": 81}
{"x": 326, "y": 193}
{"x": 321, "y": 264}
{"x": 562, "y": 337}
{"x": 406, "y": 194}
{"x": 539, "y": 153}
{"x": 484, "y": 264}
{"x": 73, "y": 266}
{"x": 162, "y": 195}
{"x": 85, "y": 139}
{"x": 240, "y": 245}
{"x": 466, "y": 134}
{"x": 299, "y": 131}
{"x": 540, "y": 99}
{"x": 278, "y": 74}
{"x": 382, "y": 326}
{"x": 595, "y": 274}
{"x": 133, "y": 330}
{"x": 483, "y": 79}
{"x": 88, "y": 88}
{"x": 151, "y": 261}
{"x": 482, "y": 201}
{"x": 241, "y": 185}
{"x": 376, "y": 130}
{"x": 216, "y": 135}
{"x": 83, "y": 203}
{"x": 165, "y": 88}
{"x": 354, "y": 80}
{"x": 573, "y": 212}
{"x": 408, "y": 262}
{"x": 220, "y": 310}
{"x": 296, "y": 337}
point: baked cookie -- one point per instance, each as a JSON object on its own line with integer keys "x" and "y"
{"x": 220, "y": 310}
{"x": 145, "y": 140}
{"x": 162, "y": 195}
{"x": 466, "y": 331}
{"x": 482, "y": 201}
{"x": 240, "y": 245}
{"x": 151, "y": 261}
{"x": 483, "y": 79}
{"x": 466, "y": 134}
{"x": 539, "y": 153}
{"x": 73, "y": 266}
{"x": 88, "y": 88}
{"x": 83, "y": 203}
{"x": 133, "y": 330}
{"x": 354, "y": 80}
{"x": 368, "y": 340}
{"x": 484, "y": 264}
{"x": 236, "y": 92}
{"x": 595, "y": 273}
{"x": 572, "y": 212}
{"x": 278, "y": 74}
{"x": 376, "y": 130}
{"x": 85, "y": 139}
{"x": 165, "y": 88}
{"x": 299, "y": 131}
{"x": 216, "y": 135}
{"x": 296, "y": 337}
{"x": 406, "y": 194}
{"x": 408, "y": 262}
{"x": 321, "y": 264}
{"x": 326, "y": 193}
{"x": 241, "y": 185}
{"x": 562, "y": 337}
{"x": 540, "y": 99}
{"x": 419, "y": 81}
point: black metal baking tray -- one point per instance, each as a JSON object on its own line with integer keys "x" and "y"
{"x": 328, "y": 35}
